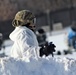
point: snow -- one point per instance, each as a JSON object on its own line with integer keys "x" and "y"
{"x": 42, "y": 66}
{"x": 59, "y": 41}
{"x": 57, "y": 65}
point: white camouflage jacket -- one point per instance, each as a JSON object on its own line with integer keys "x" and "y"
{"x": 25, "y": 43}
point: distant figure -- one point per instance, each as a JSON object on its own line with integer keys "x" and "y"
{"x": 1, "y": 40}
{"x": 41, "y": 36}
{"x": 47, "y": 48}
{"x": 72, "y": 35}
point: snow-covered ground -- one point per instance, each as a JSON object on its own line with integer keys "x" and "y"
{"x": 42, "y": 66}
{"x": 59, "y": 40}
{"x": 57, "y": 65}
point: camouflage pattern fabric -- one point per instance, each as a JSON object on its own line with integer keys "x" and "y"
{"x": 23, "y": 17}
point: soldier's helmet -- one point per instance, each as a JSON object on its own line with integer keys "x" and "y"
{"x": 23, "y": 17}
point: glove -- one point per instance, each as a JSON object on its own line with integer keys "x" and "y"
{"x": 47, "y": 49}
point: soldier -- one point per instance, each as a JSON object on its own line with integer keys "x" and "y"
{"x": 41, "y": 36}
{"x": 25, "y": 42}
{"x": 72, "y": 36}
